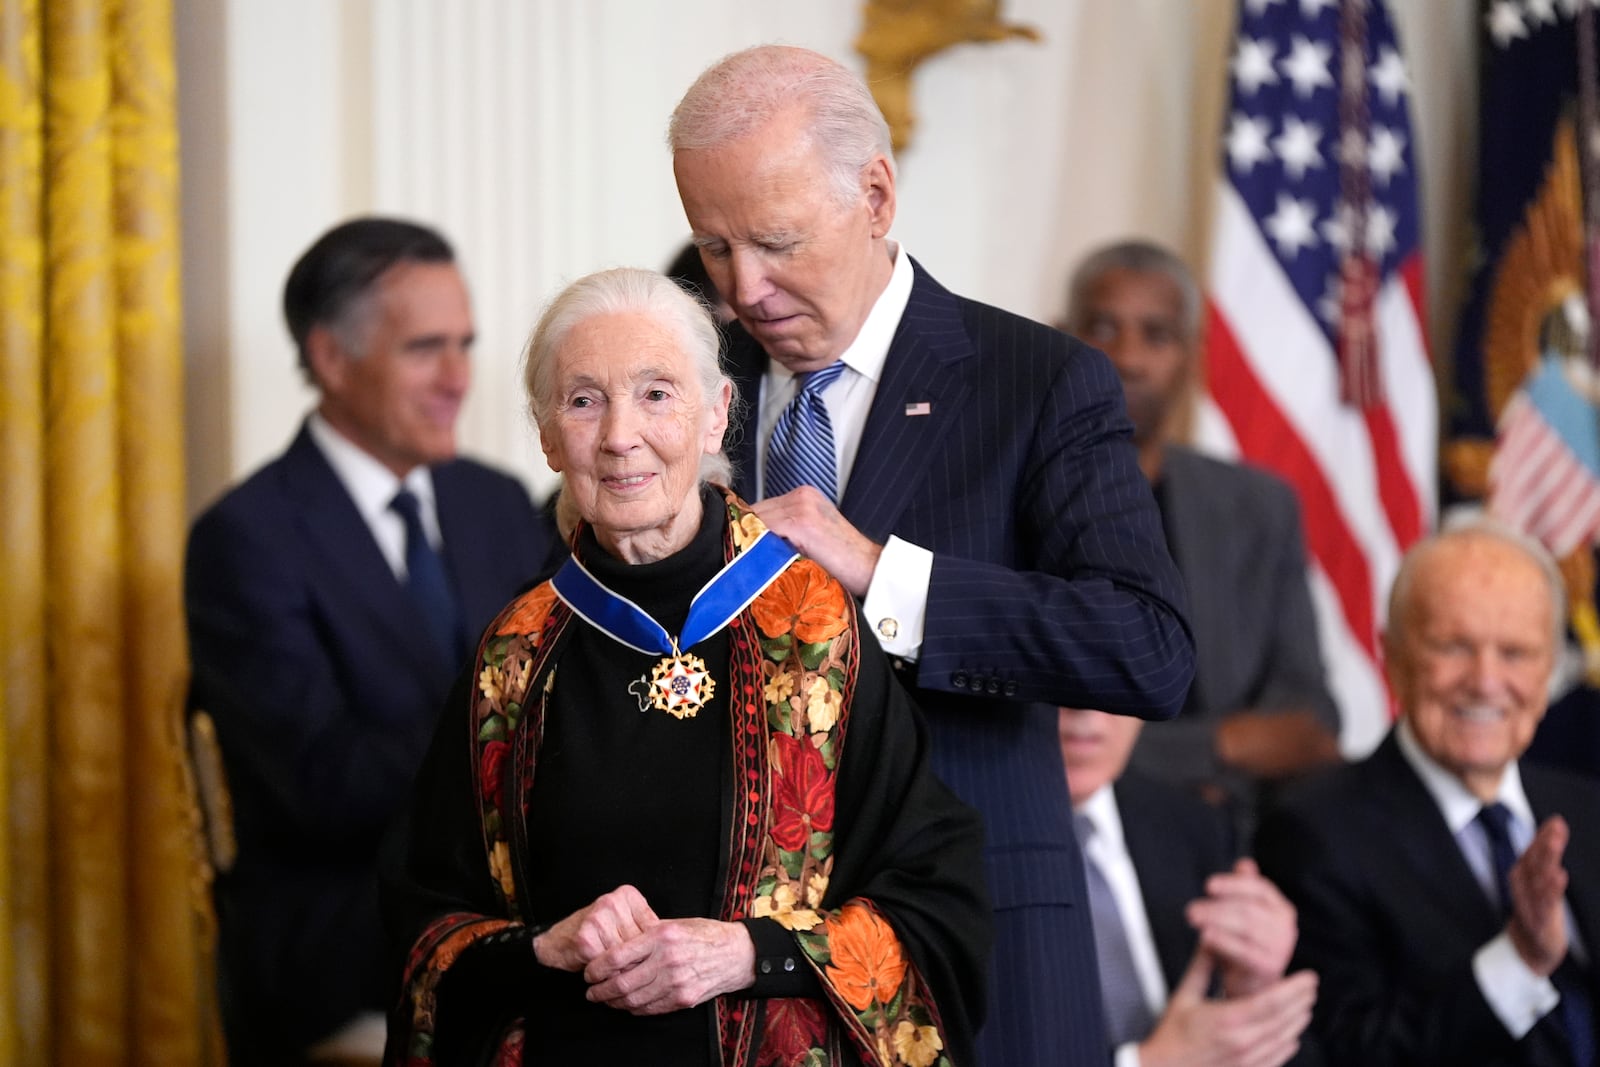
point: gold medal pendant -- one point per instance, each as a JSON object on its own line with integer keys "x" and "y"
{"x": 680, "y": 685}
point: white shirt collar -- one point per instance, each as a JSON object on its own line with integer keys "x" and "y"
{"x": 371, "y": 485}
{"x": 867, "y": 353}
{"x": 1101, "y": 808}
{"x": 1457, "y": 803}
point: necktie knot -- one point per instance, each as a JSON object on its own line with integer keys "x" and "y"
{"x": 814, "y": 382}
{"x": 1496, "y": 819}
{"x": 801, "y": 450}
{"x": 405, "y": 505}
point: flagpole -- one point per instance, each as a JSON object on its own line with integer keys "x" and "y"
{"x": 1361, "y": 385}
{"x": 1588, "y": 138}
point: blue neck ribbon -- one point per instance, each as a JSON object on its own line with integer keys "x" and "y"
{"x": 728, "y": 592}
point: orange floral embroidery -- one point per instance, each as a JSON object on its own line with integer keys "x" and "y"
{"x": 867, "y": 963}
{"x": 528, "y": 615}
{"x": 805, "y": 600}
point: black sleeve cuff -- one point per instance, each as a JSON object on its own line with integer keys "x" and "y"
{"x": 482, "y": 993}
{"x": 781, "y": 968}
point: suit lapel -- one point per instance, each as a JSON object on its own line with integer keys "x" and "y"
{"x": 919, "y": 398}
{"x": 1427, "y": 846}
{"x": 1189, "y": 511}
{"x": 919, "y": 375}
{"x": 470, "y": 554}
{"x": 1163, "y": 859}
{"x": 353, "y": 563}
{"x": 747, "y": 364}
{"x": 1547, "y": 797}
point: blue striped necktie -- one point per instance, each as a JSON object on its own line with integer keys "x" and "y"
{"x": 801, "y": 449}
{"x": 426, "y": 580}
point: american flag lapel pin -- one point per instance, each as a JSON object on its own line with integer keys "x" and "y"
{"x": 921, "y": 407}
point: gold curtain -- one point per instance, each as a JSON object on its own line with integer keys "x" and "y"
{"x": 100, "y": 957}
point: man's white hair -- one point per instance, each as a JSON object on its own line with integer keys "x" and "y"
{"x": 741, "y": 93}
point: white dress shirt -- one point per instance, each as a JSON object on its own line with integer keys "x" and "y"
{"x": 1108, "y": 849}
{"x": 897, "y": 598}
{"x": 372, "y": 487}
{"x": 1518, "y": 997}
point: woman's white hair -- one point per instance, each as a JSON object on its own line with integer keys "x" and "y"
{"x": 627, "y": 290}
{"x": 741, "y": 93}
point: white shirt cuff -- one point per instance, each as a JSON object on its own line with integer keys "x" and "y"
{"x": 1518, "y": 997}
{"x": 897, "y": 598}
{"x": 1127, "y": 1056}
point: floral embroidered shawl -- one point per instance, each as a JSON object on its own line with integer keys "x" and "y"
{"x": 795, "y": 662}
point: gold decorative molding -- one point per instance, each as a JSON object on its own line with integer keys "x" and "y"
{"x": 897, "y": 35}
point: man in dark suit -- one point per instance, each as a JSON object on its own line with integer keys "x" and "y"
{"x": 327, "y": 620}
{"x": 1259, "y": 710}
{"x": 989, "y": 509}
{"x": 1449, "y": 895}
{"x": 1177, "y": 916}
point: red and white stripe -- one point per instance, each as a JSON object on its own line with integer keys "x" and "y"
{"x": 1366, "y": 479}
{"x": 1537, "y": 484}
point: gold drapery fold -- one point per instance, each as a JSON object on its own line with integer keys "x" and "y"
{"x": 100, "y": 960}
{"x": 24, "y": 899}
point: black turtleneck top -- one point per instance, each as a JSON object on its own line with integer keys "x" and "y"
{"x": 628, "y": 796}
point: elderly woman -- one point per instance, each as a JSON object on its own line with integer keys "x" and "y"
{"x": 685, "y": 815}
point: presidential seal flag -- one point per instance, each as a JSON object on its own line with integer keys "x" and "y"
{"x": 1317, "y": 365}
{"x": 1523, "y": 430}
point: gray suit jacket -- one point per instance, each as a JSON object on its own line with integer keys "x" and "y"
{"x": 1235, "y": 534}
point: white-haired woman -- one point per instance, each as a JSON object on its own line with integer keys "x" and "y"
{"x": 685, "y": 815}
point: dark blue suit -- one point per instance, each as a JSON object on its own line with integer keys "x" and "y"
{"x": 1175, "y": 842}
{"x": 1390, "y": 913}
{"x": 1051, "y": 585}
{"x": 318, "y": 670}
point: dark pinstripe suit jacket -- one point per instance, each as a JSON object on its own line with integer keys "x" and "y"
{"x": 1051, "y": 585}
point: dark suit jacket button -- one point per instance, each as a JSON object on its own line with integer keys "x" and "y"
{"x": 1011, "y": 689}
{"x": 959, "y": 679}
{"x": 788, "y": 965}
{"x": 766, "y": 966}
{"x": 994, "y": 687}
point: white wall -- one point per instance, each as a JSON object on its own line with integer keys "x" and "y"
{"x": 531, "y": 132}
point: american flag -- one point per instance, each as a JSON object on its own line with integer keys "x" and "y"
{"x": 1525, "y": 432}
{"x": 1317, "y": 365}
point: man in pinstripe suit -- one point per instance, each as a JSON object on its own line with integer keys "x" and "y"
{"x": 990, "y": 510}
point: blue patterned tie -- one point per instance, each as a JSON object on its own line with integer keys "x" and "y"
{"x": 1128, "y": 1016}
{"x": 1574, "y": 1016}
{"x": 425, "y": 577}
{"x": 801, "y": 449}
